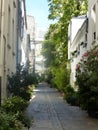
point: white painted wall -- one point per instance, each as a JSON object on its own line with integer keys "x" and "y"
{"x": 80, "y": 36}
{"x": 74, "y": 26}
{"x": 74, "y": 45}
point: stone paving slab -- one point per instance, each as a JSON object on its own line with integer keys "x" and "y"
{"x": 51, "y": 112}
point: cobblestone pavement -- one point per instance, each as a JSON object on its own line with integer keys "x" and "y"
{"x": 51, "y": 112}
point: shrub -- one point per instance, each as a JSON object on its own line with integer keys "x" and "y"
{"x": 25, "y": 120}
{"x": 9, "y": 122}
{"x": 71, "y": 96}
{"x": 14, "y": 105}
{"x": 87, "y": 80}
{"x": 18, "y": 83}
{"x": 61, "y": 78}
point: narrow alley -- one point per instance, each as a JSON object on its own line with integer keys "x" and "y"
{"x": 51, "y": 112}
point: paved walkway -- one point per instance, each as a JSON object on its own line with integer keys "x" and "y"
{"x": 51, "y": 112}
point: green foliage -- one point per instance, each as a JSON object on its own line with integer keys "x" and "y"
{"x": 25, "y": 120}
{"x": 61, "y": 78}
{"x": 61, "y": 8}
{"x": 87, "y": 80}
{"x": 48, "y": 50}
{"x": 48, "y": 76}
{"x": 16, "y": 106}
{"x": 37, "y": 78}
{"x": 9, "y": 122}
{"x": 13, "y": 109}
{"x": 55, "y": 48}
{"x": 18, "y": 83}
{"x": 71, "y": 95}
{"x": 63, "y": 11}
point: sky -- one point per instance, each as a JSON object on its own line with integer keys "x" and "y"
{"x": 38, "y": 9}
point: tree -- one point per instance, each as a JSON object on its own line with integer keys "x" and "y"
{"x": 48, "y": 52}
{"x": 62, "y": 11}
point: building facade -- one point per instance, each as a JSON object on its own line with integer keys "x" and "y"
{"x": 31, "y": 27}
{"x": 27, "y": 52}
{"x": 39, "y": 59}
{"x": 21, "y": 32}
{"x": 77, "y": 46}
{"x": 93, "y": 23}
{"x": 8, "y": 40}
{"x": 12, "y": 28}
{"x": 31, "y": 30}
{"x": 88, "y": 33}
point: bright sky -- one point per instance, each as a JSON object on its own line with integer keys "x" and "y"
{"x": 38, "y": 9}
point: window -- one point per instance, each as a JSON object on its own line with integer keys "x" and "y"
{"x": 85, "y": 45}
{"x": 94, "y": 8}
{"x": 94, "y": 35}
{"x": 94, "y": 23}
{"x": 78, "y": 49}
{"x": 14, "y": 4}
{"x": 22, "y": 27}
{"x": 86, "y": 37}
{"x": 87, "y": 25}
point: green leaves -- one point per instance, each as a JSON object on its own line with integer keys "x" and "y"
{"x": 87, "y": 80}
{"x": 10, "y": 122}
{"x": 70, "y": 8}
{"x": 63, "y": 10}
{"x": 48, "y": 52}
{"x": 12, "y": 114}
{"x": 14, "y": 105}
{"x": 55, "y": 9}
{"x": 56, "y": 44}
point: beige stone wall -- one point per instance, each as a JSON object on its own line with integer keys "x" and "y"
{"x": 93, "y": 23}
{"x": 12, "y": 38}
{"x": 8, "y": 42}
